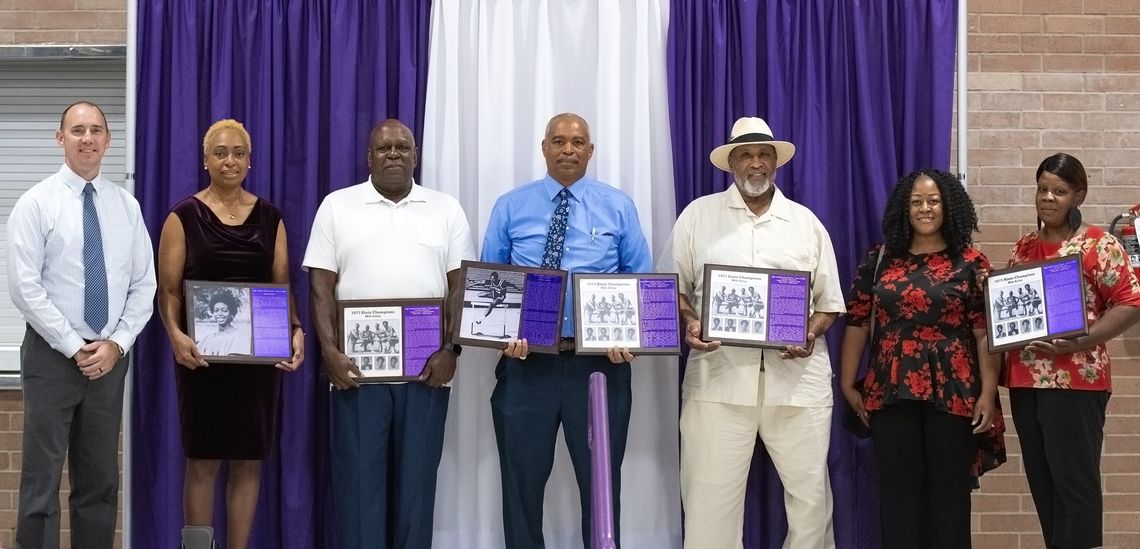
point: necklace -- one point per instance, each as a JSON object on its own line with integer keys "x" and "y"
{"x": 229, "y": 212}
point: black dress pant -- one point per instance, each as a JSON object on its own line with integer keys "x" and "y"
{"x": 1061, "y": 433}
{"x": 925, "y": 456}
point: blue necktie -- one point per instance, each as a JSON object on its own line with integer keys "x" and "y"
{"x": 556, "y": 234}
{"x": 94, "y": 267}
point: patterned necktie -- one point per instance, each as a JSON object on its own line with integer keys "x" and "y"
{"x": 94, "y": 267}
{"x": 556, "y": 235}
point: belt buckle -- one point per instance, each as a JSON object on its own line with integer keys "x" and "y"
{"x": 566, "y": 345}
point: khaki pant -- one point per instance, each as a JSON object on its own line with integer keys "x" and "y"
{"x": 717, "y": 443}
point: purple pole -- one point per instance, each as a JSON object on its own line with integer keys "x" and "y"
{"x": 598, "y": 434}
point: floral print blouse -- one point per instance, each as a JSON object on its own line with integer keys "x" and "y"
{"x": 924, "y": 347}
{"x": 927, "y": 308}
{"x": 1109, "y": 282}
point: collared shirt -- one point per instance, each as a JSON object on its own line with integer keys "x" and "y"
{"x": 721, "y": 229}
{"x": 45, "y": 261}
{"x": 381, "y": 249}
{"x": 603, "y": 233}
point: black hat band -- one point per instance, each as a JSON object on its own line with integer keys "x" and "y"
{"x": 751, "y": 138}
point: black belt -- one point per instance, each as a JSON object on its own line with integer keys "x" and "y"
{"x": 566, "y": 345}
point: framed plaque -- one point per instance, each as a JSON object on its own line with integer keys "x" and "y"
{"x": 1034, "y": 302}
{"x": 390, "y": 339}
{"x": 234, "y": 322}
{"x": 502, "y": 303}
{"x": 639, "y": 311}
{"x": 754, "y": 307}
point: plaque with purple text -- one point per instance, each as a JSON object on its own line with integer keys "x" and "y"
{"x": 1035, "y": 301}
{"x": 637, "y": 311}
{"x": 390, "y": 339}
{"x": 234, "y": 322}
{"x": 502, "y": 303}
{"x": 755, "y": 307}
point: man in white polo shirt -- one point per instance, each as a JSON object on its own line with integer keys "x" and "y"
{"x": 386, "y": 238}
{"x": 732, "y": 394}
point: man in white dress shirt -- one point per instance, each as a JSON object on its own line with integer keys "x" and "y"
{"x": 732, "y": 394}
{"x": 81, "y": 272}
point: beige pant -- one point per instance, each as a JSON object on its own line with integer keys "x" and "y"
{"x": 717, "y": 442}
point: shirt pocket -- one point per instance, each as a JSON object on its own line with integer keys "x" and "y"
{"x": 433, "y": 240}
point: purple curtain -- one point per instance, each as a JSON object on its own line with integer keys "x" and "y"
{"x": 308, "y": 80}
{"x": 864, "y": 88}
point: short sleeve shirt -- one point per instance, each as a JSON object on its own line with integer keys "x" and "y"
{"x": 386, "y": 250}
{"x": 1109, "y": 282}
{"x": 721, "y": 229}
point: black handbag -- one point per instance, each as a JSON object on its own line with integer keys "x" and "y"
{"x": 854, "y": 424}
{"x": 851, "y": 421}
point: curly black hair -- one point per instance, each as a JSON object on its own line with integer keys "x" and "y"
{"x": 229, "y": 299}
{"x": 959, "y": 220}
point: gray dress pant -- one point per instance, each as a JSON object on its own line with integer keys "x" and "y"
{"x": 64, "y": 410}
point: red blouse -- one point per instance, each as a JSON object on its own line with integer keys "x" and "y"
{"x": 1109, "y": 282}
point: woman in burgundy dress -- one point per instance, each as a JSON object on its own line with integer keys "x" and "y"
{"x": 228, "y": 411}
{"x": 931, "y": 385}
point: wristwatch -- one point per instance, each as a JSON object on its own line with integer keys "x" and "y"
{"x": 453, "y": 348}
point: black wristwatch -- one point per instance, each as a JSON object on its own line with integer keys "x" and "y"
{"x": 453, "y": 348}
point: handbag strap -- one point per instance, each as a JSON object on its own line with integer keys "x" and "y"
{"x": 874, "y": 304}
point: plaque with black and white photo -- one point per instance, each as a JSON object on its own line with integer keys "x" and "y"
{"x": 390, "y": 339}
{"x": 233, "y": 322}
{"x": 635, "y": 311}
{"x": 755, "y": 307}
{"x": 1034, "y": 302}
{"x": 502, "y": 303}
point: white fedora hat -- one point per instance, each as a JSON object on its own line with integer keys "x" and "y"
{"x": 751, "y": 131}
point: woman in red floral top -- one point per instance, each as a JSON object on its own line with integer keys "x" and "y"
{"x": 1058, "y": 390}
{"x": 930, "y": 386}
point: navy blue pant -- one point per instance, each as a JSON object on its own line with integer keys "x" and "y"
{"x": 1061, "y": 433}
{"x": 387, "y": 440}
{"x": 531, "y": 399}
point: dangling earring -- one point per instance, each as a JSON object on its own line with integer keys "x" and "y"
{"x": 1074, "y": 218}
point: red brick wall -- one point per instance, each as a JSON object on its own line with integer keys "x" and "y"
{"x": 66, "y": 22}
{"x": 1048, "y": 76}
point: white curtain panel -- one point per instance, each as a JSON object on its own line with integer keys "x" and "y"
{"x": 499, "y": 70}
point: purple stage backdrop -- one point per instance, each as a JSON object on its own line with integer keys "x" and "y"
{"x": 308, "y": 80}
{"x": 865, "y": 92}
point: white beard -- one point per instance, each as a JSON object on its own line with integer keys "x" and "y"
{"x": 752, "y": 190}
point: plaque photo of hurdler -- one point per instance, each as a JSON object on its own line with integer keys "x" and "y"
{"x": 503, "y": 303}
{"x": 492, "y": 303}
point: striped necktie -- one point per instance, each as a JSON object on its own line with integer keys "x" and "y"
{"x": 94, "y": 265}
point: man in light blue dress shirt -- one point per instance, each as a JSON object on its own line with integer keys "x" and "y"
{"x": 70, "y": 229}
{"x": 536, "y": 392}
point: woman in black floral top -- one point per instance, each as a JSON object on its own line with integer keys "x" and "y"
{"x": 930, "y": 386}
